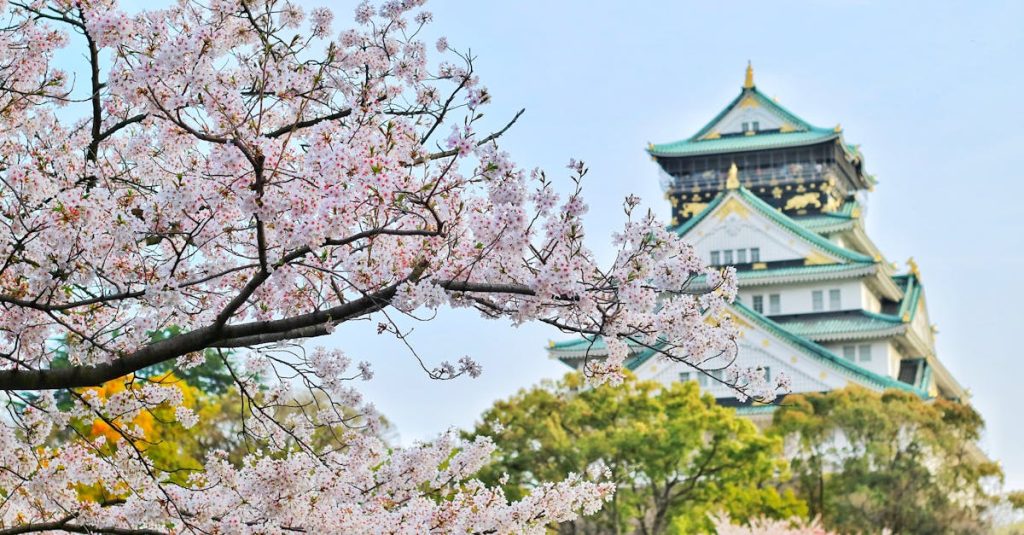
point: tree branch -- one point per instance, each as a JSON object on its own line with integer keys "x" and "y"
{"x": 307, "y": 123}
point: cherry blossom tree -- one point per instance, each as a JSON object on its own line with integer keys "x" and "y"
{"x": 243, "y": 178}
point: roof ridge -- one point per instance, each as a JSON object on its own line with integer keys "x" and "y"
{"x": 800, "y": 124}
{"x": 773, "y": 106}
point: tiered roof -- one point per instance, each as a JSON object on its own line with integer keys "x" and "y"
{"x": 825, "y": 259}
{"x": 791, "y": 130}
{"x": 693, "y": 146}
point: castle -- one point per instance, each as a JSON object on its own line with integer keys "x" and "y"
{"x": 784, "y": 202}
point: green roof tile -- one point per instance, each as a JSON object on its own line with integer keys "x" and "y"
{"x": 789, "y": 274}
{"x": 750, "y": 410}
{"x": 802, "y": 133}
{"x": 853, "y": 324}
{"x": 830, "y": 222}
{"x": 739, "y": 143}
{"x": 831, "y": 269}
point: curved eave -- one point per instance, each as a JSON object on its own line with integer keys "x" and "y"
{"x": 755, "y": 278}
{"x": 732, "y": 144}
{"x": 830, "y": 227}
{"x": 830, "y": 328}
{"x": 883, "y": 284}
{"x": 769, "y": 277}
{"x": 840, "y": 336}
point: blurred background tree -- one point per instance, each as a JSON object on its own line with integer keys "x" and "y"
{"x": 674, "y": 455}
{"x": 865, "y": 461}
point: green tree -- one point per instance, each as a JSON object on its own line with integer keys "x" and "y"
{"x": 673, "y": 454}
{"x": 865, "y": 461}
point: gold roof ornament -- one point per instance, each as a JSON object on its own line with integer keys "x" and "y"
{"x": 913, "y": 267}
{"x": 838, "y": 128}
{"x": 733, "y": 180}
{"x": 748, "y": 81}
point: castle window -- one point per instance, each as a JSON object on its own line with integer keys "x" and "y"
{"x": 684, "y": 377}
{"x": 746, "y": 126}
{"x": 864, "y": 352}
{"x": 850, "y": 353}
{"x": 767, "y": 373}
{"x": 755, "y": 254}
{"x": 727, "y": 257}
{"x": 715, "y": 258}
{"x": 758, "y": 303}
{"x": 835, "y": 301}
{"x": 741, "y": 256}
{"x": 756, "y": 126}
{"x": 704, "y": 379}
{"x": 774, "y": 304}
{"x": 817, "y": 301}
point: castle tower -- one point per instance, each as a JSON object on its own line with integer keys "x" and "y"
{"x": 783, "y": 201}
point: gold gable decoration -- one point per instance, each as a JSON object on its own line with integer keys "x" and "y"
{"x": 814, "y": 258}
{"x": 912, "y": 265}
{"x": 741, "y": 324}
{"x": 691, "y": 209}
{"x": 831, "y": 205}
{"x": 802, "y": 201}
{"x": 748, "y": 80}
{"x": 733, "y": 206}
{"x": 733, "y": 180}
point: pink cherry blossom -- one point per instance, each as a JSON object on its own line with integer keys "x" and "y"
{"x": 229, "y": 175}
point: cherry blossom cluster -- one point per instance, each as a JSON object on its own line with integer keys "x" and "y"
{"x": 252, "y": 177}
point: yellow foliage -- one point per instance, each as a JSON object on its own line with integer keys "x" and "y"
{"x": 161, "y": 434}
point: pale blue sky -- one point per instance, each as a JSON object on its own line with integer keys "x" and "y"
{"x": 930, "y": 91}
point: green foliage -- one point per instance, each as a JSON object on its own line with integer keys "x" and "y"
{"x": 211, "y": 376}
{"x": 866, "y": 461}
{"x": 673, "y": 454}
